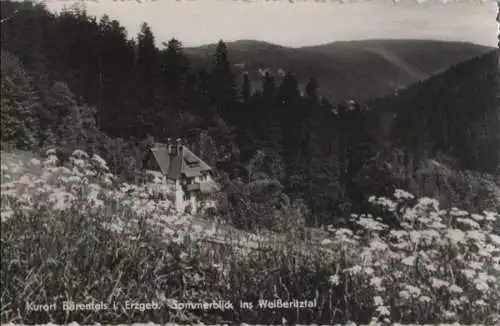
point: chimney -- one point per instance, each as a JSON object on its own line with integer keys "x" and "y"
{"x": 170, "y": 148}
{"x": 179, "y": 145}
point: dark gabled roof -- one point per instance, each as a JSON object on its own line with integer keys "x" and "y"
{"x": 162, "y": 159}
{"x": 192, "y": 164}
{"x": 187, "y": 163}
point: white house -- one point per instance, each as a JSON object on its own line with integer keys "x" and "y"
{"x": 191, "y": 178}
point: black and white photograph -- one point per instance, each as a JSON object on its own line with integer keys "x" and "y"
{"x": 224, "y": 162}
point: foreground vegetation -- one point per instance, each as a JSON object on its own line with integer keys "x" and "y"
{"x": 74, "y": 233}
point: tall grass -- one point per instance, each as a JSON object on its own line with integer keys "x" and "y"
{"x": 73, "y": 233}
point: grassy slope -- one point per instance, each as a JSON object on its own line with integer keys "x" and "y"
{"x": 47, "y": 258}
{"x": 347, "y": 70}
{"x": 18, "y": 163}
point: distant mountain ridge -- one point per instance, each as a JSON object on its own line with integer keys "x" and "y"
{"x": 357, "y": 70}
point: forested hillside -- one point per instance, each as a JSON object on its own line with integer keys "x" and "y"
{"x": 82, "y": 81}
{"x": 457, "y": 112}
{"x": 356, "y": 70}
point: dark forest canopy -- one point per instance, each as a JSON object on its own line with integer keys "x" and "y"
{"x": 81, "y": 81}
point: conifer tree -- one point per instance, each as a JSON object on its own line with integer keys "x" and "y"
{"x": 246, "y": 89}
{"x": 311, "y": 89}
{"x": 174, "y": 64}
{"x": 148, "y": 92}
{"x": 147, "y": 53}
{"x": 115, "y": 65}
{"x": 268, "y": 89}
{"x": 223, "y": 87}
{"x": 290, "y": 113}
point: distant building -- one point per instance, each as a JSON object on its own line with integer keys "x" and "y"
{"x": 263, "y": 71}
{"x": 191, "y": 178}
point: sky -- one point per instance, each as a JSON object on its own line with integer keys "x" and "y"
{"x": 303, "y": 23}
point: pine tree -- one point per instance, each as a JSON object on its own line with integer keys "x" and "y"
{"x": 268, "y": 119}
{"x": 148, "y": 93}
{"x": 269, "y": 89}
{"x": 289, "y": 117}
{"x": 288, "y": 92}
{"x": 115, "y": 66}
{"x": 306, "y": 136}
{"x": 223, "y": 88}
{"x": 246, "y": 89}
{"x": 326, "y": 189}
{"x": 311, "y": 89}
{"x": 174, "y": 64}
{"x": 147, "y": 53}
{"x": 203, "y": 81}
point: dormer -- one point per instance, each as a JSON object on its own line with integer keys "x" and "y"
{"x": 192, "y": 161}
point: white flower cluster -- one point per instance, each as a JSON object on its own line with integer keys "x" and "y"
{"x": 440, "y": 266}
{"x": 84, "y": 183}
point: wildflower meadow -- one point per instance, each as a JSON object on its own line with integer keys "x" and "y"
{"x": 74, "y": 232}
